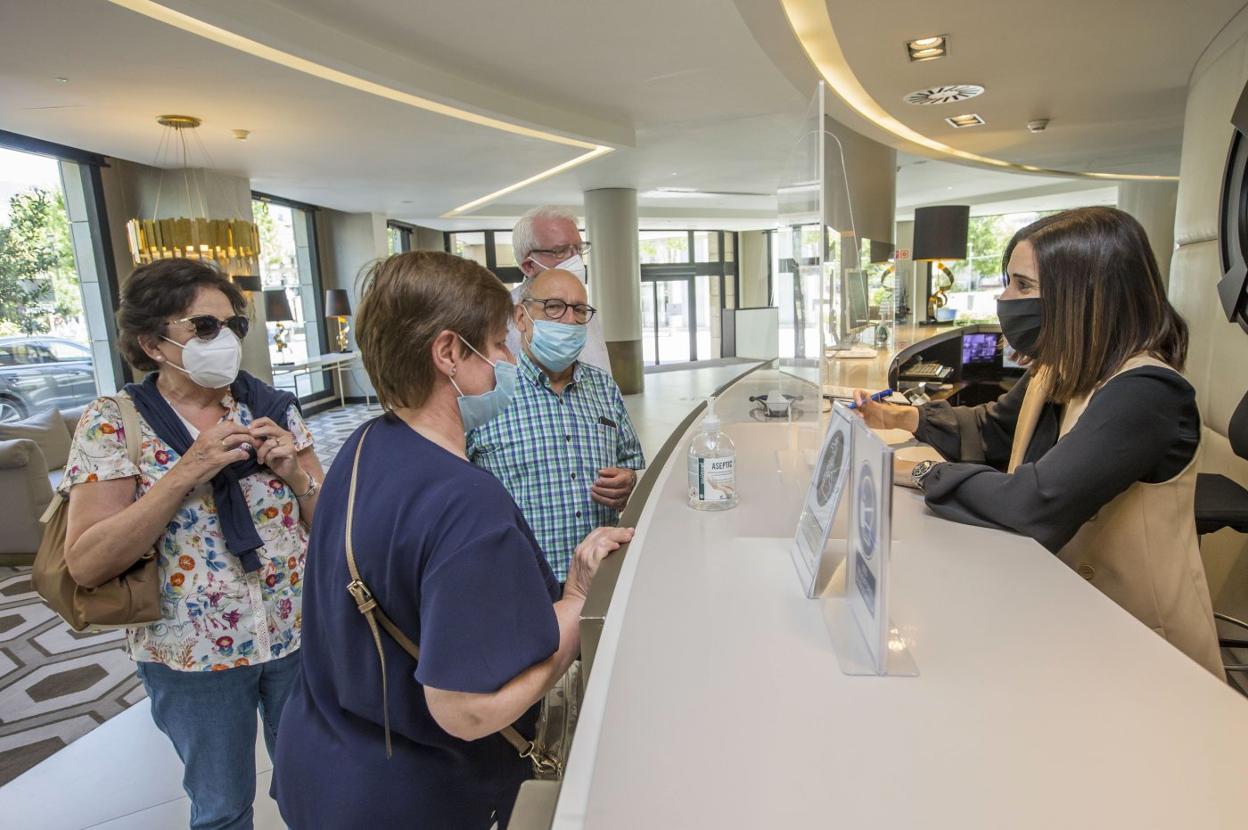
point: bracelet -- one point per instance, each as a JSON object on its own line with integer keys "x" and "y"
{"x": 313, "y": 486}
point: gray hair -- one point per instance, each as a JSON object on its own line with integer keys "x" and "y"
{"x": 524, "y": 240}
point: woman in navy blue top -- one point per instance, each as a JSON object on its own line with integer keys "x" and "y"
{"x": 451, "y": 561}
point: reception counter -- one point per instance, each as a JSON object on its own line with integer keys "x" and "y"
{"x": 715, "y": 697}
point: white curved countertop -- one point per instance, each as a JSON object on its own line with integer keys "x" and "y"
{"x": 716, "y": 700}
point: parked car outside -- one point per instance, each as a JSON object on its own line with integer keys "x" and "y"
{"x": 40, "y": 373}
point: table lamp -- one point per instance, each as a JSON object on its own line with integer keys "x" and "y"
{"x": 338, "y": 306}
{"x": 940, "y": 234}
{"x": 277, "y": 310}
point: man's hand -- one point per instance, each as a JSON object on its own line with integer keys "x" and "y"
{"x": 613, "y": 487}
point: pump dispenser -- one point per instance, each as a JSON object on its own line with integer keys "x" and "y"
{"x": 712, "y": 466}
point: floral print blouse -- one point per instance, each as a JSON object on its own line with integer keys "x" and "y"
{"x": 214, "y": 614}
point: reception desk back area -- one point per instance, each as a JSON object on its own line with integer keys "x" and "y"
{"x": 715, "y": 697}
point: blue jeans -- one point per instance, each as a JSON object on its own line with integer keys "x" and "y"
{"x": 211, "y": 719}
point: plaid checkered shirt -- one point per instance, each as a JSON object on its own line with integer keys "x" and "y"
{"x": 547, "y": 450}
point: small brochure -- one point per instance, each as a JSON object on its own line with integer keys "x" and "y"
{"x": 823, "y": 498}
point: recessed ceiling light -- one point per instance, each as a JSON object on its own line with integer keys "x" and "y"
{"x": 960, "y": 121}
{"x": 943, "y": 94}
{"x": 928, "y": 48}
{"x": 241, "y": 135}
{"x": 62, "y": 80}
{"x": 1038, "y": 126}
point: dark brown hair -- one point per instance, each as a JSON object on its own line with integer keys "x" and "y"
{"x": 407, "y": 300}
{"x": 163, "y": 291}
{"x": 1102, "y": 297}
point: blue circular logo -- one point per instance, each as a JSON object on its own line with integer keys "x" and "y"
{"x": 868, "y": 514}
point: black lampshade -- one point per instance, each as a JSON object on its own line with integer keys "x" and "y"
{"x": 277, "y": 306}
{"x": 337, "y": 303}
{"x": 940, "y": 232}
{"x": 248, "y": 283}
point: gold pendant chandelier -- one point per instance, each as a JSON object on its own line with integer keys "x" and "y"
{"x": 233, "y": 244}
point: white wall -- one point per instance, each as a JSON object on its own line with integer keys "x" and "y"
{"x": 1218, "y": 358}
{"x": 350, "y": 242}
{"x": 1153, "y": 204}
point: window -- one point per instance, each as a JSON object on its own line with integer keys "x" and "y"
{"x": 977, "y": 280}
{"x": 663, "y": 247}
{"x": 491, "y": 249}
{"x": 686, "y": 283}
{"x": 470, "y": 246}
{"x": 394, "y": 239}
{"x": 46, "y": 341}
{"x": 504, "y": 256}
{"x": 296, "y": 330}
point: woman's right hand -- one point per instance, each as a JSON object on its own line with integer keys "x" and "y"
{"x": 885, "y": 415}
{"x": 589, "y": 555}
{"x": 214, "y": 449}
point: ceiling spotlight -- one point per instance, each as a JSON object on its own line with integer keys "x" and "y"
{"x": 928, "y": 48}
{"x": 241, "y": 135}
{"x": 62, "y": 80}
{"x": 1038, "y": 126}
{"x": 961, "y": 121}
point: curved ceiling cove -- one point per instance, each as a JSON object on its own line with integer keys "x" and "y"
{"x": 813, "y": 27}
{"x": 224, "y": 37}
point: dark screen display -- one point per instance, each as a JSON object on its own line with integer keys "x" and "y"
{"x": 979, "y": 349}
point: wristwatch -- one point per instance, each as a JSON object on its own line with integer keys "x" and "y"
{"x": 919, "y": 472}
{"x": 313, "y": 486}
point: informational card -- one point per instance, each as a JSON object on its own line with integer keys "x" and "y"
{"x": 870, "y": 536}
{"x": 823, "y": 497}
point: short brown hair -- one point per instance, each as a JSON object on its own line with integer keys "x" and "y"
{"x": 1102, "y": 297}
{"x": 160, "y": 291}
{"x": 407, "y": 300}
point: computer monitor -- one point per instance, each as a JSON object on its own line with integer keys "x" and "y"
{"x": 854, "y": 311}
{"x": 979, "y": 349}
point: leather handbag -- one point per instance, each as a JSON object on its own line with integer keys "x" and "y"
{"x": 548, "y": 751}
{"x": 132, "y": 598}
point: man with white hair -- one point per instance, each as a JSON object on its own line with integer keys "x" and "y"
{"x": 548, "y": 237}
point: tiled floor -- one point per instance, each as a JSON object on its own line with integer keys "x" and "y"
{"x": 124, "y": 775}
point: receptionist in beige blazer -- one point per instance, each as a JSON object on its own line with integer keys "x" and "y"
{"x": 1093, "y": 453}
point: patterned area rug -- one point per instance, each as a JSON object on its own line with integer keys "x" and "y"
{"x": 56, "y": 685}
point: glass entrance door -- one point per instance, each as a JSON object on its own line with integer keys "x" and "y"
{"x": 669, "y": 321}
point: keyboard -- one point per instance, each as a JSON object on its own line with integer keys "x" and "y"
{"x": 927, "y": 371}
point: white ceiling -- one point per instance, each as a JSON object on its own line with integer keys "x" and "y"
{"x": 706, "y": 94}
{"x": 1111, "y": 76}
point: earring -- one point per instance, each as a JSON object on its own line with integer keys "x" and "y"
{"x": 452, "y": 371}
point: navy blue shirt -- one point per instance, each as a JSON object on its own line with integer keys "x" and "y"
{"x": 451, "y": 560}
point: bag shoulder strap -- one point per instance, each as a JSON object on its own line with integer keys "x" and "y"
{"x": 134, "y": 446}
{"x": 367, "y": 605}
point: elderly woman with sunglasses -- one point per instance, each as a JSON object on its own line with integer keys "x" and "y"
{"x": 225, "y": 488}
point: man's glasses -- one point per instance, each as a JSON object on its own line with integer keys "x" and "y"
{"x": 563, "y": 251}
{"x": 206, "y": 326}
{"x": 555, "y": 309}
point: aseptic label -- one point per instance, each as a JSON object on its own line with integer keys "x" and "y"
{"x": 713, "y": 479}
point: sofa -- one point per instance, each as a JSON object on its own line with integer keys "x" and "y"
{"x": 33, "y": 454}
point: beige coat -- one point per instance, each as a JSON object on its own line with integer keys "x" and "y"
{"x": 1141, "y": 549}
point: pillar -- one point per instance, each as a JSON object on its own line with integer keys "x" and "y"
{"x": 615, "y": 280}
{"x": 1153, "y": 205}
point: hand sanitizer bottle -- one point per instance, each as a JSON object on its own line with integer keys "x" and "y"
{"x": 712, "y": 466}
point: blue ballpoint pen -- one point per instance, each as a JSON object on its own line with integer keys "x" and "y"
{"x": 877, "y": 397}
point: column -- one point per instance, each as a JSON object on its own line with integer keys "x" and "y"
{"x": 615, "y": 279}
{"x": 1153, "y": 205}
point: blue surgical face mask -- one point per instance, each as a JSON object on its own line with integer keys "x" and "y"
{"x": 478, "y": 410}
{"x": 555, "y": 345}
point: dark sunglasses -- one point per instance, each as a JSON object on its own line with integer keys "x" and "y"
{"x": 206, "y": 326}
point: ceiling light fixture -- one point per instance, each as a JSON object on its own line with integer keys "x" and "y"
{"x": 216, "y": 34}
{"x": 233, "y": 244}
{"x": 1038, "y": 126}
{"x": 813, "y": 28}
{"x": 927, "y": 48}
{"x": 961, "y": 121}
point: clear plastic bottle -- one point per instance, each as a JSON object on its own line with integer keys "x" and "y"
{"x": 712, "y": 466}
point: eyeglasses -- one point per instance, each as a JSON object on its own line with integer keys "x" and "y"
{"x": 206, "y": 326}
{"x": 555, "y": 309}
{"x": 564, "y": 251}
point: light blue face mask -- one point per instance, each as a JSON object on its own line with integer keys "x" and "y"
{"x": 556, "y": 345}
{"x": 478, "y": 410}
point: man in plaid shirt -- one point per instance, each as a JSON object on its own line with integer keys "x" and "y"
{"x": 565, "y": 448}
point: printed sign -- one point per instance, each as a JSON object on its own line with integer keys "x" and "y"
{"x": 823, "y": 497}
{"x": 866, "y": 590}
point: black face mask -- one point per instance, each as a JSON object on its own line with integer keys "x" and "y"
{"x": 1020, "y": 323}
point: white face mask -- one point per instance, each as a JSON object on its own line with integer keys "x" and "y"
{"x": 573, "y": 264}
{"x": 213, "y": 364}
